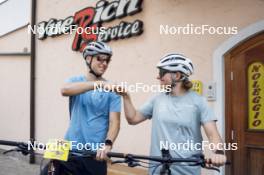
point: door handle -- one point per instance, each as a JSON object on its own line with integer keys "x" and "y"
{"x": 233, "y": 135}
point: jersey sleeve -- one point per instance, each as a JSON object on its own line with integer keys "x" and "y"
{"x": 206, "y": 113}
{"x": 147, "y": 109}
{"x": 74, "y": 98}
{"x": 115, "y": 103}
{"x": 72, "y": 80}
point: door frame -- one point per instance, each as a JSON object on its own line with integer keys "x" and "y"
{"x": 219, "y": 70}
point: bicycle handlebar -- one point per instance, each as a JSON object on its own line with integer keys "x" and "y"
{"x": 129, "y": 158}
{"x": 142, "y": 157}
{"x": 11, "y": 143}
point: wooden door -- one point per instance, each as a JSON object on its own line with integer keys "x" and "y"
{"x": 244, "y": 106}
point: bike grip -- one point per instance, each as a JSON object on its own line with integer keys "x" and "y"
{"x": 117, "y": 155}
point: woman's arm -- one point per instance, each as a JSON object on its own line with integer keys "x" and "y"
{"x": 212, "y": 133}
{"x": 217, "y": 157}
{"x": 132, "y": 115}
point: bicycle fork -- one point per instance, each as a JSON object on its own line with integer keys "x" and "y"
{"x": 165, "y": 169}
{"x": 51, "y": 168}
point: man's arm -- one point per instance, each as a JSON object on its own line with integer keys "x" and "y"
{"x": 70, "y": 89}
{"x": 132, "y": 115}
{"x": 75, "y": 88}
{"x": 114, "y": 127}
{"x": 214, "y": 137}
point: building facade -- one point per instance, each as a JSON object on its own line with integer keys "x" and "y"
{"x": 225, "y": 41}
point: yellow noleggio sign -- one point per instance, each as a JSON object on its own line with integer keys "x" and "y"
{"x": 57, "y": 149}
{"x": 197, "y": 86}
{"x": 256, "y": 96}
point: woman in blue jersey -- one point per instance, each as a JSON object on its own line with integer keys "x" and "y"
{"x": 177, "y": 116}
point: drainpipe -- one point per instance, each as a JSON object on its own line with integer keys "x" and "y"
{"x": 32, "y": 79}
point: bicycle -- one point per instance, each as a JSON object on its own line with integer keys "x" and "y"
{"x": 131, "y": 160}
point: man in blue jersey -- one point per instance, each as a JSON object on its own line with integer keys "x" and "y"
{"x": 95, "y": 114}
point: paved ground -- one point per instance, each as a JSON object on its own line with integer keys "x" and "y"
{"x": 10, "y": 165}
{"x": 17, "y": 164}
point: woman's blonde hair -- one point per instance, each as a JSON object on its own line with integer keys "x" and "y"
{"x": 187, "y": 84}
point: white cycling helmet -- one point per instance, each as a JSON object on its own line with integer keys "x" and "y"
{"x": 95, "y": 48}
{"x": 176, "y": 63}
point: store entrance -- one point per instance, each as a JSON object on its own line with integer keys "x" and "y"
{"x": 244, "y": 106}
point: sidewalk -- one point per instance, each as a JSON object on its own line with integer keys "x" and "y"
{"x": 17, "y": 164}
{"x": 13, "y": 166}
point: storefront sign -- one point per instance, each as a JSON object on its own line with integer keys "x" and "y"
{"x": 256, "y": 95}
{"x": 88, "y": 20}
{"x": 197, "y": 86}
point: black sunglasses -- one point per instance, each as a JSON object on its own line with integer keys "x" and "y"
{"x": 103, "y": 59}
{"x": 162, "y": 72}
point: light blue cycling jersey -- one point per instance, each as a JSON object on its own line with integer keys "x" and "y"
{"x": 176, "y": 120}
{"x": 89, "y": 113}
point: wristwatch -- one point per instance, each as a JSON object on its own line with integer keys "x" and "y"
{"x": 108, "y": 142}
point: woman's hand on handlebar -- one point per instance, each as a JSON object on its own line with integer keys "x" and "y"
{"x": 215, "y": 160}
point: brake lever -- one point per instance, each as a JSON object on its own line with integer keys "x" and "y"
{"x": 118, "y": 161}
{"x": 212, "y": 168}
{"x": 133, "y": 164}
{"x": 203, "y": 165}
{"x": 129, "y": 161}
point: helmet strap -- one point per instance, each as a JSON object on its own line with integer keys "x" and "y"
{"x": 91, "y": 70}
{"x": 173, "y": 79}
{"x": 175, "y": 82}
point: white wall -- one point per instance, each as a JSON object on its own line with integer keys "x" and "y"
{"x": 14, "y": 87}
{"x": 14, "y": 98}
{"x": 13, "y": 15}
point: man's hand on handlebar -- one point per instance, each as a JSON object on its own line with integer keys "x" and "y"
{"x": 101, "y": 154}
